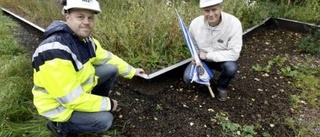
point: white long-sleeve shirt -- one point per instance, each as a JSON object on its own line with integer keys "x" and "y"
{"x": 222, "y": 42}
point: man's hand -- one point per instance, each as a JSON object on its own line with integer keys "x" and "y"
{"x": 140, "y": 72}
{"x": 115, "y": 105}
{"x": 203, "y": 55}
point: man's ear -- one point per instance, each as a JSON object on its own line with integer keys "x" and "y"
{"x": 67, "y": 15}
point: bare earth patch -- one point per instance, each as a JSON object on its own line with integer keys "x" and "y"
{"x": 256, "y": 98}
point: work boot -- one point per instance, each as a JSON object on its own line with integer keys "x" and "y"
{"x": 222, "y": 94}
{"x": 52, "y": 126}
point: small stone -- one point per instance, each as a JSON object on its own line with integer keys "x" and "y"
{"x": 191, "y": 123}
{"x": 272, "y": 125}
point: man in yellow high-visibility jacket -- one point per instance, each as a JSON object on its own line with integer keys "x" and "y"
{"x": 73, "y": 73}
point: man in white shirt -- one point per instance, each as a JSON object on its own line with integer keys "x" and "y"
{"x": 218, "y": 36}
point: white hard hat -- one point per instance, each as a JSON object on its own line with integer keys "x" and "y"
{"x": 207, "y": 3}
{"x": 82, "y": 4}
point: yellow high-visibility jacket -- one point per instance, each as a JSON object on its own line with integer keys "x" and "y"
{"x": 64, "y": 74}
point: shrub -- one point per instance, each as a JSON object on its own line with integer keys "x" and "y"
{"x": 311, "y": 43}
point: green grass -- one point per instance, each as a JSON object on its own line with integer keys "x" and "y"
{"x": 144, "y": 33}
{"x": 129, "y": 28}
{"x": 18, "y": 115}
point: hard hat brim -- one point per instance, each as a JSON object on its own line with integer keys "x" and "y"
{"x": 209, "y": 3}
{"x": 95, "y": 11}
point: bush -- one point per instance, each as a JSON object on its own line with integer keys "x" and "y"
{"x": 311, "y": 43}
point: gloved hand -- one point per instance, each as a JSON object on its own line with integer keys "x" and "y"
{"x": 115, "y": 105}
{"x": 140, "y": 72}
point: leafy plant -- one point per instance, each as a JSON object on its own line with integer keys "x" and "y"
{"x": 279, "y": 61}
{"x": 311, "y": 43}
{"x": 289, "y": 71}
{"x": 159, "y": 107}
{"x": 266, "y": 134}
{"x": 234, "y": 129}
{"x": 266, "y": 68}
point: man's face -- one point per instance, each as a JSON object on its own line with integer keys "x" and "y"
{"x": 213, "y": 14}
{"x": 81, "y": 22}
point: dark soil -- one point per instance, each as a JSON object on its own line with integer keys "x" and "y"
{"x": 174, "y": 108}
{"x": 255, "y": 98}
{"x": 166, "y": 106}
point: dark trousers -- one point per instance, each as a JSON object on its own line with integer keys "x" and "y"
{"x": 107, "y": 75}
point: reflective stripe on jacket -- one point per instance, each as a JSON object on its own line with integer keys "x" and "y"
{"x": 64, "y": 73}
